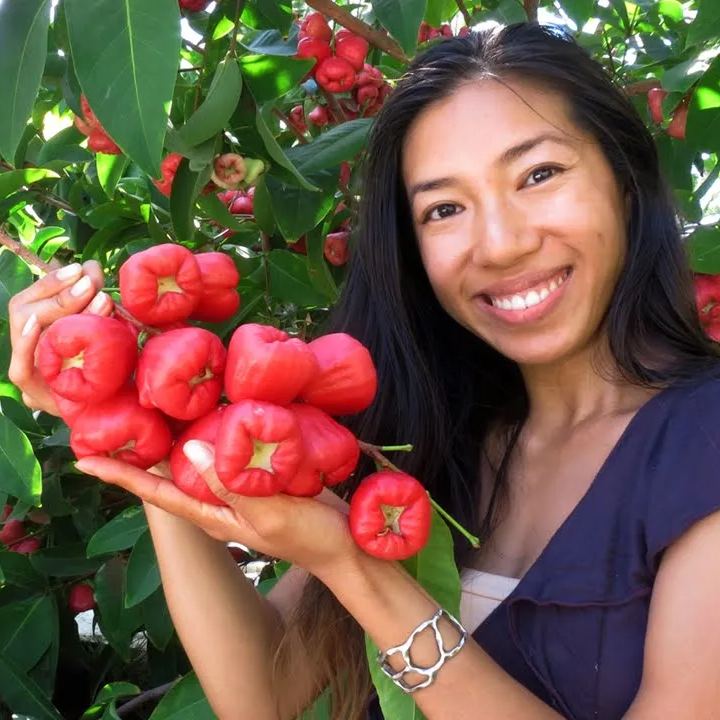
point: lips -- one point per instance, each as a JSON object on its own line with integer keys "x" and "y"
{"x": 522, "y": 284}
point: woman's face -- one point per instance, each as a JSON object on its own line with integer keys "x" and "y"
{"x": 519, "y": 220}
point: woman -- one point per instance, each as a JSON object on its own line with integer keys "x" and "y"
{"x": 520, "y": 281}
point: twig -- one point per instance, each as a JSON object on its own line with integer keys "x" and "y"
{"x": 344, "y": 18}
{"x": 193, "y": 46}
{"x": 233, "y": 43}
{"x": 334, "y": 106}
{"x": 154, "y": 694}
{"x": 465, "y": 13}
{"x": 531, "y": 9}
{"x": 641, "y": 86}
{"x": 282, "y": 116}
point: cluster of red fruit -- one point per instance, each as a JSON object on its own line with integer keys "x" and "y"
{"x": 678, "y": 120}
{"x": 89, "y": 125}
{"x": 707, "y": 298}
{"x": 428, "y": 32}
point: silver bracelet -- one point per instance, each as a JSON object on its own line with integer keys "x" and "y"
{"x": 429, "y": 672}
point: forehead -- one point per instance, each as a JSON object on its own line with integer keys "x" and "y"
{"x": 479, "y": 120}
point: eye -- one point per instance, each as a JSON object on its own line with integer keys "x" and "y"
{"x": 440, "y": 212}
{"x": 543, "y": 173}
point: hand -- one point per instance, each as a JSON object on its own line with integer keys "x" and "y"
{"x": 66, "y": 291}
{"x": 312, "y": 533}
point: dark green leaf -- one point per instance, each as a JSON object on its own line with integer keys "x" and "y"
{"x": 15, "y": 179}
{"x": 143, "y": 574}
{"x": 157, "y": 620}
{"x": 185, "y": 188}
{"x": 65, "y": 560}
{"x": 23, "y": 47}
{"x": 579, "y": 10}
{"x": 217, "y": 107}
{"x": 115, "y": 690}
{"x": 15, "y": 276}
{"x": 296, "y": 211}
{"x": 402, "y": 19}
{"x": 440, "y": 11}
{"x": 703, "y": 121}
{"x": 110, "y": 169}
{"x": 23, "y": 694}
{"x": 20, "y": 474}
{"x": 64, "y": 147}
{"x": 343, "y": 142}
{"x": 26, "y": 630}
{"x": 289, "y": 280}
{"x": 706, "y": 25}
{"x": 272, "y": 14}
{"x": 126, "y": 55}
{"x": 704, "y": 249}
{"x": 186, "y": 701}
{"x": 18, "y": 571}
{"x": 120, "y": 533}
{"x": 271, "y": 76}
{"x": 269, "y": 42}
{"x": 682, "y": 76}
{"x": 19, "y": 415}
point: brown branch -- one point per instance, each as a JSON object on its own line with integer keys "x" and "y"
{"x": 465, "y": 13}
{"x": 334, "y": 106}
{"x": 239, "y": 4}
{"x": 344, "y": 18}
{"x": 291, "y": 125}
{"x": 373, "y": 451}
{"x": 531, "y": 9}
{"x": 641, "y": 86}
{"x": 154, "y": 694}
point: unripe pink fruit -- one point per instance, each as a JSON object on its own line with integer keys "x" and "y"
{"x": 12, "y": 531}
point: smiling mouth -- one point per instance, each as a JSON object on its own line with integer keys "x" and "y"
{"x": 529, "y": 298}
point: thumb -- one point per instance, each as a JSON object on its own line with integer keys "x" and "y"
{"x": 201, "y": 455}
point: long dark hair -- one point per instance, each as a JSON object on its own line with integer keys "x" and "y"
{"x": 441, "y": 387}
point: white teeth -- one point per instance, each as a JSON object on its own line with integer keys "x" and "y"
{"x": 531, "y": 298}
{"x": 517, "y": 303}
{"x": 505, "y": 304}
{"x": 553, "y": 286}
{"x": 544, "y": 293}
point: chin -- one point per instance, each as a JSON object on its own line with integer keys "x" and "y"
{"x": 538, "y": 351}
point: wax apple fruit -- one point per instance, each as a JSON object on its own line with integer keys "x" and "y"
{"x": 258, "y": 448}
{"x": 168, "y": 168}
{"x": 390, "y": 515}
{"x": 81, "y": 598}
{"x": 220, "y": 298}
{"x": 676, "y": 126}
{"x": 161, "y": 285}
{"x": 315, "y": 25}
{"x": 184, "y": 474}
{"x": 707, "y": 298}
{"x": 121, "y": 428}
{"x": 86, "y": 357}
{"x": 335, "y": 74}
{"x": 351, "y": 47}
{"x": 335, "y": 248}
{"x": 12, "y": 531}
{"x": 330, "y": 452}
{"x": 311, "y": 47}
{"x": 181, "y": 372}
{"x": 347, "y": 380}
{"x": 229, "y": 171}
{"x": 655, "y": 99}
{"x": 265, "y": 363}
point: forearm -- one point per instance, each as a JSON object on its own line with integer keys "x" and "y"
{"x": 389, "y": 605}
{"x": 227, "y": 628}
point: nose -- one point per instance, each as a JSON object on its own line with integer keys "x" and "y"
{"x": 503, "y": 235}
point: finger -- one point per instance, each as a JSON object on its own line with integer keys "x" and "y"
{"x": 202, "y": 457}
{"x": 93, "y": 269}
{"x": 22, "y": 361}
{"x": 154, "y": 489}
{"x": 101, "y": 304}
{"x": 49, "y": 285}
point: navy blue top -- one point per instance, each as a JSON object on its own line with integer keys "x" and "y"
{"x": 573, "y": 629}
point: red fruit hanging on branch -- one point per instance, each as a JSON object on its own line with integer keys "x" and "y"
{"x": 707, "y": 298}
{"x": 161, "y": 285}
{"x": 351, "y": 47}
{"x": 238, "y": 202}
{"x": 220, "y": 299}
{"x": 183, "y": 472}
{"x": 86, "y": 357}
{"x": 265, "y": 363}
{"x": 194, "y": 5}
{"x": 330, "y": 452}
{"x": 315, "y": 25}
{"x": 336, "y": 249}
{"x": 319, "y": 116}
{"x": 81, "y": 598}
{"x": 168, "y": 168}
{"x": 121, "y": 428}
{"x": 655, "y": 99}
{"x": 98, "y": 139}
{"x": 181, "y": 372}
{"x": 12, "y": 531}
{"x": 335, "y": 74}
{"x": 390, "y": 515}
{"x": 312, "y": 47}
{"x": 296, "y": 118}
{"x": 27, "y": 546}
{"x": 258, "y": 448}
{"x": 678, "y": 121}
{"x": 229, "y": 171}
{"x": 347, "y": 380}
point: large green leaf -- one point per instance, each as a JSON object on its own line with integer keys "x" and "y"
{"x": 440, "y": 11}
{"x": 186, "y": 186}
{"x": 65, "y": 560}
{"x": 23, "y": 694}
{"x": 289, "y": 280}
{"x": 269, "y": 42}
{"x": 402, "y": 19}
{"x": 15, "y": 275}
{"x": 217, "y": 107}
{"x": 20, "y": 474}
{"x": 271, "y": 76}
{"x": 186, "y": 701}
{"x": 703, "y": 122}
{"x": 295, "y": 210}
{"x": 23, "y": 46}
{"x": 343, "y": 142}
{"x": 143, "y": 574}
{"x": 26, "y": 630}
{"x": 126, "y": 55}
{"x": 15, "y": 179}
{"x": 157, "y": 620}
{"x": 120, "y": 533}
{"x": 704, "y": 250}
{"x": 706, "y": 24}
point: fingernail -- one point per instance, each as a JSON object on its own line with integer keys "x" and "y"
{"x": 81, "y": 286}
{"x": 98, "y": 302}
{"x": 69, "y": 271}
{"x": 30, "y": 324}
{"x": 199, "y": 454}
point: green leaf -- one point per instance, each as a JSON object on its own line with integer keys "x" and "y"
{"x": 274, "y": 150}
{"x": 682, "y": 76}
{"x": 290, "y": 282}
{"x": 15, "y": 179}
{"x": 120, "y": 533}
{"x": 66, "y": 560}
{"x": 64, "y": 147}
{"x": 157, "y": 620}
{"x": 18, "y": 571}
{"x": 703, "y": 121}
{"x": 185, "y": 188}
{"x": 23, "y": 694}
{"x": 704, "y": 249}
{"x": 126, "y": 55}
{"x": 273, "y": 14}
{"x": 402, "y": 19}
{"x": 15, "y": 276}
{"x": 26, "y": 630}
{"x": 218, "y": 106}
{"x": 19, "y": 415}
{"x": 296, "y": 211}
{"x": 115, "y": 690}
{"x": 671, "y": 9}
{"x": 319, "y": 272}
{"x": 706, "y": 24}
{"x": 269, "y": 42}
{"x": 440, "y": 11}
{"x": 185, "y": 701}
{"x": 143, "y": 574}
{"x": 20, "y": 474}
{"x": 23, "y": 47}
{"x": 110, "y": 169}
{"x": 343, "y": 142}
{"x": 579, "y": 10}
{"x": 271, "y": 76}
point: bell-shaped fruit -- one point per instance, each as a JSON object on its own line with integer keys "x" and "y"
{"x": 220, "y": 298}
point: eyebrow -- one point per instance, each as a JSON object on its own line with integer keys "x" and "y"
{"x": 505, "y": 158}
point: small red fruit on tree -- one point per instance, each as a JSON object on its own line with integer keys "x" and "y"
{"x": 296, "y": 118}
{"x": 319, "y": 116}
{"x": 229, "y": 171}
{"x": 220, "y": 299}
{"x": 335, "y": 74}
{"x": 81, "y": 598}
{"x": 655, "y": 99}
{"x": 707, "y": 298}
{"x": 336, "y": 248}
{"x": 28, "y": 546}
{"x": 310, "y": 47}
{"x": 315, "y": 26}
{"x": 168, "y": 168}
{"x": 12, "y": 531}
{"x": 676, "y": 127}
{"x": 351, "y": 47}
{"x": 194, "y": 5}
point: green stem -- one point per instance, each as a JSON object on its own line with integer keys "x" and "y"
{"x": 472, "y": 539}
{"x": 397, "y": 448}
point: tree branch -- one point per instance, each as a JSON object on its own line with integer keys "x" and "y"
{"x": 465, "y": 13}
{"x": 641, "y": 86}
{"x": 344, "y": 18}
{"x": 154, "y": 694}
{"x": 531, "y": 9}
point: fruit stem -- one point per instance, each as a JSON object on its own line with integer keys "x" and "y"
{"x": 381, "y": 461}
